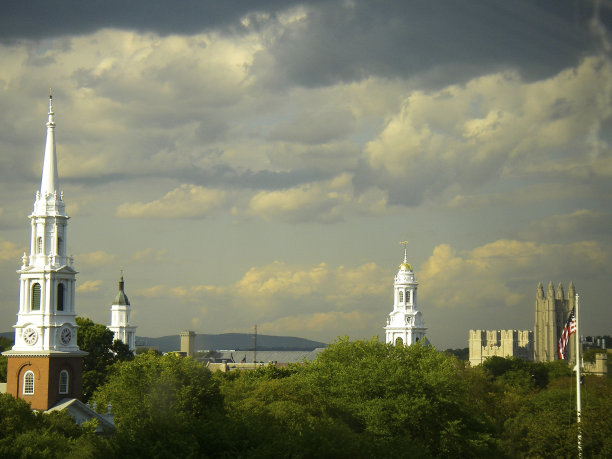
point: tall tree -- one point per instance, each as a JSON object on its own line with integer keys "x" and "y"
{"x": 97, "y": 341}
{"x": 5, "y": 345}
{"x": 401, "y": 395}
{"x": 164, "y": 406}
{"x": 27, "y": 433}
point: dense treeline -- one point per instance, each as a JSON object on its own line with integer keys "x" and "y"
{"x": 357, "y": 399}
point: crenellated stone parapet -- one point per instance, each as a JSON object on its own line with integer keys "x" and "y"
{"x": 501, "y": 343}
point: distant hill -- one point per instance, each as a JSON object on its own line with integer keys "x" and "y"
{"x": 235, "y": 341}
{"x": 225, "y": 341}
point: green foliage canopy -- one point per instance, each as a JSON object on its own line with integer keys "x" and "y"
{"x": 30, "y": 434}
{"x": 5, "y": 345}
{"x": 357, "y": 399}
{"x": 162, "y": 405}
{"x": 97, "y": 341}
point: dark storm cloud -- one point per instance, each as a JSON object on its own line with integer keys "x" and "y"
{"x": 434, "y": 42}
{"x": 37, "y": 19}
{"x": 439, "y": 41}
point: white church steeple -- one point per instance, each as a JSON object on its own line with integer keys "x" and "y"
{"x": 405, "y": 324}
{"x": 50, "y": 183}
{"x": 120, "y": 318}
{"x": 45, "y": 364}
{"x": 46, "y": 318}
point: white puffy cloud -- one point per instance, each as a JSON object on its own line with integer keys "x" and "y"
{"x": 282, "y": 280}
{"x": 187, "y": 201}
{"x": 486, "y": 276}
{"x": 278, "y": 281}
{"x": 280, "y": 295}
{"x": 323, "y": 202}
{"x": 89, "y": 286}
{"x": 497, "y": 125}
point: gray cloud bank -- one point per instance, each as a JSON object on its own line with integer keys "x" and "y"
{"x": 437, "y": 42}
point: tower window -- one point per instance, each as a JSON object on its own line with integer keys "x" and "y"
{"x": 35, "y": 297}
{"x": 60, "y": 246}
{"x": 407, "y": 297}
{"x": 63, "y": 382}
{"x": 60, "y": 297}
{"x": 28, "y": 383}
{"x": 401, "y": 296}
{"x": 39, "y": 247}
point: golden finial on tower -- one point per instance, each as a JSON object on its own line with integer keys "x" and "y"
{"x": 405, "y": 264}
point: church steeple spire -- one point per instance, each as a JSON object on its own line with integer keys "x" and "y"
{"x": 45, "y": 364}
{"x": 49, "y": 183}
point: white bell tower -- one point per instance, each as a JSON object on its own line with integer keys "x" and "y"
{"x": 405, "y": 324}
{"x": 46, "y": 318}
{"x": 120, "y": 318}
{"x": 45, "y": 364}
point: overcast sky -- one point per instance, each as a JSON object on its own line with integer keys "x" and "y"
{"x": 259, "y": 162}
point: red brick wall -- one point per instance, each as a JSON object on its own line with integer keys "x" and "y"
{"x": 46, "y": 379}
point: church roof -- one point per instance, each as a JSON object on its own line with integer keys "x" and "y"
{"x": 121, "y": 297}
{"x": 81, "y": 412}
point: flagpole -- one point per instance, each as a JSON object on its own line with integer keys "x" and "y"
{"x": 577, "y": 368}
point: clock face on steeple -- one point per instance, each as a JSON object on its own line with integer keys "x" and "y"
{"x": 65, "y": 335}
{"x": 30, "y": 336}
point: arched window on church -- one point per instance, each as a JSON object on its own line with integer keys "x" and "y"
{"x": 60, "y": 297}
{"x": 35, "y": 303}
{"x": 63, "y": 382}
{"x": 399, "y": 341}
{"x": 401, "y": 296}
{"x": 408, "y": 297}
{"x": 28, "y": 383}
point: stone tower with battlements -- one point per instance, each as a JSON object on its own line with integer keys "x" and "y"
{"x": 551, "y": 312}
{"x": 501, "y": 343}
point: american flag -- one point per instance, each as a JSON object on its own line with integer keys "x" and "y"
{"x": 568, "y": 330}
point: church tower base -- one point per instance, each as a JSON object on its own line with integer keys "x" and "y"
{"x": 49, "y": 385}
